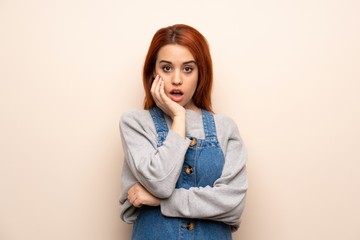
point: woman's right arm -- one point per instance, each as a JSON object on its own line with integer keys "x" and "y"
{"x": 155, "y": 168}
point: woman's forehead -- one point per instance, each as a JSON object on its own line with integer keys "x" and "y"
{"x": 175, "y": 53}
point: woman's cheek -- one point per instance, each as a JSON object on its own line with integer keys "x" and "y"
{"x": 166, "y": 88}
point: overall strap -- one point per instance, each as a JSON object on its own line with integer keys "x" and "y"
{"x": 209, "y": 124}
{"x": 160, "y": 124}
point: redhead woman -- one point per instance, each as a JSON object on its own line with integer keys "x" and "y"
{"x": 184, "y": 173}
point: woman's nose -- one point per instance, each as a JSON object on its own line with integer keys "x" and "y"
{"x": 176, "y": 79}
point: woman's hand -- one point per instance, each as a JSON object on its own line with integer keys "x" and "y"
{"x": 170, "y": 107}
{"x": 138, "y": 196}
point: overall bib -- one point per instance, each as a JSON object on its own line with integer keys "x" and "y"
{"x": 204, "y": 161}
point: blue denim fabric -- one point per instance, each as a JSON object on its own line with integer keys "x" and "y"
{"x": 206, "y": 161}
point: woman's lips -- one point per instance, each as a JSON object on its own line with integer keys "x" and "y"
{"x": 176, "y": 95}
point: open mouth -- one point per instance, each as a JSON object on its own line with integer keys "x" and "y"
{"x": 176, "y": 95}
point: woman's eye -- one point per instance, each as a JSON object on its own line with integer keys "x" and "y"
{"x": 167, "y": 68}
{"x": 188, "y": 69}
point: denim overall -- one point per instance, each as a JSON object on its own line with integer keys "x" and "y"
{"x": 204, "y": 161}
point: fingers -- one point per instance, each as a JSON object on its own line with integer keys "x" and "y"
{"x": 163, "y": 99}
{"x": 133, "y": 195}
{"x": 157, "y": 91}
{"x": 139, "y": 196}
{"x": 154, "y": 90}
{"x": 136, "y": 203}
{"x": 162, "y": 91}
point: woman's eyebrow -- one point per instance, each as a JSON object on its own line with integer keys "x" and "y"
{"x": 164, "y": 61}
{"x": 187, "y": 62}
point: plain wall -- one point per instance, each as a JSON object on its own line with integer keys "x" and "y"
{"x": 286, "y": 71}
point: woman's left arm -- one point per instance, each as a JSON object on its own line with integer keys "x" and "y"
{"x": 225, "y": 200}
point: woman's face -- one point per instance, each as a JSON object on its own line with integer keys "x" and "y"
{"x": 177, "y": 67}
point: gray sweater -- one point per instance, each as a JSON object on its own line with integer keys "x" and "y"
{"x": 158, "y": 168}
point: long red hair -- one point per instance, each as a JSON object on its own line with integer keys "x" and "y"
{"x": 189, "y": 37}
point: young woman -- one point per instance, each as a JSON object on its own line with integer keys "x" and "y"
{"x": 184, "y": 172}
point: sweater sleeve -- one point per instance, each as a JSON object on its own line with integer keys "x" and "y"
{"x": 156, "y": 168}
{"x": 128, "y": 212}
{"x": 225, "y": 200}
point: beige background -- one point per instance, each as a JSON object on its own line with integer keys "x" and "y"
{"x": 286, "y": 71}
